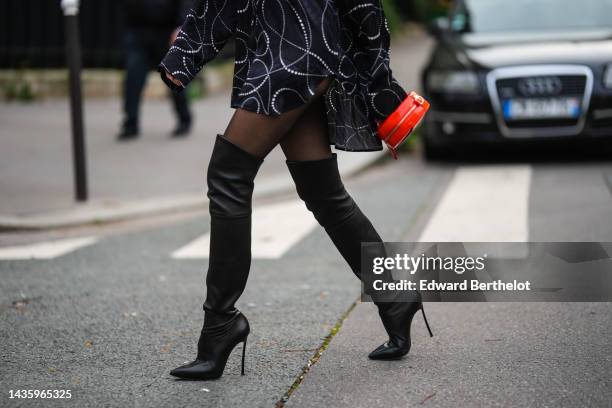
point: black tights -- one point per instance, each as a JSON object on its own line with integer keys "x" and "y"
{"x": 303, "y": 136}
{"x": 249, "y": 137}
{"x": 301, "y": 132}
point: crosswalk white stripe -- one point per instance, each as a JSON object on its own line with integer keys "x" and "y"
{"x": 45, "y": 250}
{"x": 276, "y": 228}
{"x": 483, "y": 204}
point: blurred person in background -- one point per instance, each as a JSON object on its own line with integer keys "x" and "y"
{"x": 150, "y": 26}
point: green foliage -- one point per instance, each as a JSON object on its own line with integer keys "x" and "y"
{"x": 195, "y": 90}
{"x": 394, "y": 18}
{"x": 19, "y": 90}
{"x": 428, "y": 10}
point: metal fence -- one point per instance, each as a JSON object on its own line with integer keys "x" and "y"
{"x": 32, "y": 33}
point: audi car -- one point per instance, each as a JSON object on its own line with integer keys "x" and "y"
{"x": 507, "y": 72}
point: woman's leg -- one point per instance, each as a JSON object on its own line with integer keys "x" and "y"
{"x": 314, "y": 170}
{"x": 259, "y": 134}
{"x": 317, "y": 179}
{"x": 308, "y": 139}
{"x": 235, "y": 161}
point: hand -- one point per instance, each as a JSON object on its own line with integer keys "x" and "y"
{"x": 173, "y": 79}
{"x": 174, "y": 35}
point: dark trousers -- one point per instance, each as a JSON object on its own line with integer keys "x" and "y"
{"x": 144, "y": 49}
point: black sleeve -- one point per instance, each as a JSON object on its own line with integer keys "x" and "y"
{"x": 370, "y": 31}
{"x": 206, "y": 28}
{"x": 182, "y": 10}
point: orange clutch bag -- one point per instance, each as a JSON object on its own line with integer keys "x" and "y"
{"x": 396, "y": 128}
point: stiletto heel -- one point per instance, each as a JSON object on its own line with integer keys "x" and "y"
{"x": 397, "y": 318}
{"x": 215, "y": 345}
{"x": 230, "y": 190}
{"x": 426, "y": 322}
{"x": 243, "y": 351}
{"x": 319, "y": 185}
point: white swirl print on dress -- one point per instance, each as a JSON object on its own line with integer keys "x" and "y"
{"x": 285, "y": 48}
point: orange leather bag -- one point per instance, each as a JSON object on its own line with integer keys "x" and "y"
{"x": 396, "y": 128}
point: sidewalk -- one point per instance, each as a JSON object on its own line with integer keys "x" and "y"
{"x": 494, "y": 354}
{"x": 150, "y": 175}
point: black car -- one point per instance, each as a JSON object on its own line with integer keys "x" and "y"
{"x": 509, "y": 71}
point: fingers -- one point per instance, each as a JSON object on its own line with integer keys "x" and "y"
{"x": 173, "y": 79}
{"x": 174, "y": 35}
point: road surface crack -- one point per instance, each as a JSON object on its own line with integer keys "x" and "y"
{"x": 315, "y": 358}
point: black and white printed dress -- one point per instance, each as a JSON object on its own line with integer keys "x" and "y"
{"x": 285, "y": 48}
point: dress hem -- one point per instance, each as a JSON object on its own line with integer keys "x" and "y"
{"x": 356, "y": 151}
{"x": 331, "y": 142}
{"x": 332, "y": 77}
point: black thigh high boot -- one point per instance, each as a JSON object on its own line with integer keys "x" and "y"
{"x": 230, "y": 188}
{"x": 318, "y": 183}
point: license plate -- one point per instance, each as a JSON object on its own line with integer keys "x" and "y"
{"x": 541, "y": 108}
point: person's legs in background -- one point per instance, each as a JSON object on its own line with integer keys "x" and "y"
{"x": 143, "y": 49}
{"x": 136, "y": 71}
{"x": 180, "y": 102}
{"x": 160, "y": 41}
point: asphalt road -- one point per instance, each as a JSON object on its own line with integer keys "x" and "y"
{"x": 109, "y": 315}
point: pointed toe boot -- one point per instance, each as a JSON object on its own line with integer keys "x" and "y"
{"x": 319, "y": 185}
{"x": 217, "y": 340}
{"x": 230, "y": 179}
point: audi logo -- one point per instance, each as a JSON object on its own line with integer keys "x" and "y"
{"x": 540, "y": 86}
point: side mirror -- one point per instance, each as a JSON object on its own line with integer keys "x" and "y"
{"x": 439, "y": 26}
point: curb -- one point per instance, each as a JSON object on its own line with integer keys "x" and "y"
{"x": 108, "y": 211}
{"x": 41, "y": 84}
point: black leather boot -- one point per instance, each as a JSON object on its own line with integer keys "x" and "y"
{"x": 231, "y": 173}
{"x": 319, "y": 184}
{"x": 396, "y": 317}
